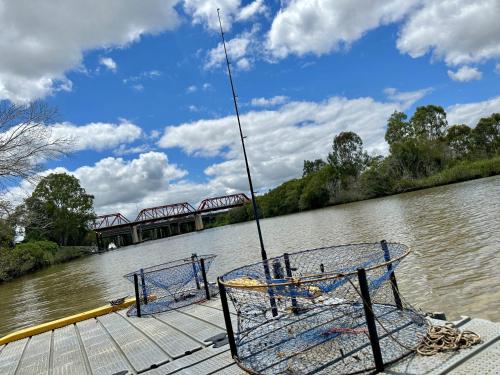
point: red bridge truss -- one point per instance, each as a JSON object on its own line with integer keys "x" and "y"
{"x": 171, "y": 211}
{"x": 109, "y": 220}
{"x": 167, "y": 211}
{"x": 220, "y": 203}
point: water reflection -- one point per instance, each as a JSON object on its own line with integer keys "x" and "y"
{"x": 453, "y": 231}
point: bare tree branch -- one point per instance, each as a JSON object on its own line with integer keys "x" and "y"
{"x": 26, "y": 142}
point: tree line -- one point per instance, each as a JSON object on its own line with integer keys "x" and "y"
{"x": 424, "y": 151}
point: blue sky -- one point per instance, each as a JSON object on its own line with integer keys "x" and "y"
{"x": 142, "y": 90}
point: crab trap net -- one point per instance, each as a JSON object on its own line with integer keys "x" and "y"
{"x": 332, "y": 310}
{"x": 171, "y": 285}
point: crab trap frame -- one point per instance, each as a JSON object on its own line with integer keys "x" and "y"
{"x": 171, "y": 285}
{"x": 328, "y": 310}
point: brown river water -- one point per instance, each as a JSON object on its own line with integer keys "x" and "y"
{"x": 453, "y": 230}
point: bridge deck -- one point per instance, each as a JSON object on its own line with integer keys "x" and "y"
{"x": 177, "y": 342}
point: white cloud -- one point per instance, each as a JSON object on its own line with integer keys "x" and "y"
{"x": 470, "y": 113}
{"x": 138, "y": 87}
{"x": 97, "y": 136}
{"x": 279, "y": 140}
{"x": 252, "y": 9}
{"x": 109, "y": 63}
{"x": 497, "y": 68}
{"x": 240, "y": 50}
{"x": 457, "y": 31}
{"x": 406, "y": 98}
{"x": 119, "y": 184}
{"x": 323, "y": 26}
{"x": 206, "y": 86}
{"x": 41, "y": 42}
{"x": 465, "y": 74}
{"x": 148, "y": 74}
{"x": 192, "y": 89}
{"x": 193, "y": 108}
{"x": 204, "y": 12}
{"x": 269, "y": 102}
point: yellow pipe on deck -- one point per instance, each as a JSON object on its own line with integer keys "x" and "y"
{"x": 49, "y": 326}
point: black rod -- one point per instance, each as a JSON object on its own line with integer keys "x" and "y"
{"x": 390, "y": 269}
{"x": 255, "y": 212}
{"x": 370, "y": 320}
{"x": 322, "y": 268}
{"x": 143, "y": 285}
{"x": 204, "y": 275}
{"x": 227, "y": 318}
{"x": 137, "y": 298}
{"x": 254, "y": 201}
{"x": 193, "y": 261}
{"x": 292, "y": 288}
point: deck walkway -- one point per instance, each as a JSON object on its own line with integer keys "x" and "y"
{"x": 178, "y": 342}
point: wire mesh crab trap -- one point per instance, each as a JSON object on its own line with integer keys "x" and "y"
{"x": 322, "y": 311}
{"x": 171, "y": 285}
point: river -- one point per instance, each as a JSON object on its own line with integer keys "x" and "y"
{"x": 454, "y": 267}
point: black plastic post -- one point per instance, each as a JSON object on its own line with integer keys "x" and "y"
{"x": 394, "y": 284}
{"x": 143, "y": 286}
{"x": 137, "y": 298}
{"x": 292, "y": 288}
{"x": 370, "y": 320}
{"x": 227, "y": 319}
{"x": 204, "y": 275}
{"x": 322, "y": 268}
{"x": 193, "y": 261}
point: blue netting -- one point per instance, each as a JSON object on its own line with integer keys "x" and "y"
{"x": 171, "y": 285}
{"x": 317, "y": 322}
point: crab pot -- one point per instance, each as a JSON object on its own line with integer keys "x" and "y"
{"x": 172, "y": 285}
{"x": 343, "y": 320}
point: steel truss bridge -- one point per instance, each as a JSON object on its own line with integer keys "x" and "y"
{"x": 116, "y": 221}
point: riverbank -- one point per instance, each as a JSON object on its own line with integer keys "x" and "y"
{"x": 311, "y": 191}
{"x": 31, "y": 256}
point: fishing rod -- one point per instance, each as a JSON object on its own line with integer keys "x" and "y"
{"x": 255, "y": 212}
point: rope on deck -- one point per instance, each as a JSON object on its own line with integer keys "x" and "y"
{"x": 444, "y": 338}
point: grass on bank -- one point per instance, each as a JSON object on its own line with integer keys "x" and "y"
{"x": 31, "y": 256}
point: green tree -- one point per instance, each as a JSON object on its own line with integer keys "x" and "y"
{"x": 398, "y": 128}
{"x": 312, "y": 166}
{"x": 459, "y": 139}
{"x": 59, "y": 210}
{"x": 347, "y": 158}
{"x": 486, "y": 135}
{"x": 429, "y": 122}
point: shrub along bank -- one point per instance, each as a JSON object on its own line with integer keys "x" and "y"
{"x": 30, "y": 256}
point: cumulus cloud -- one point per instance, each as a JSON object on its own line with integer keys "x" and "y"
{"x": 97, "y": 136}
{"x": 470, "y": 113}
{"x": 321, "y": 27}
{"x": 465, "y": 74}
{"x": 191, "y": 89}
{"x": 204, "y": 12}
{"x": 117, "y": 181}
{"x": 457, "y": 31}
{"x": 41, "y": 42}
{"x": 108, "y": 63}
{"x": 269, "y": 102}
{"x": 279, "y": 140}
